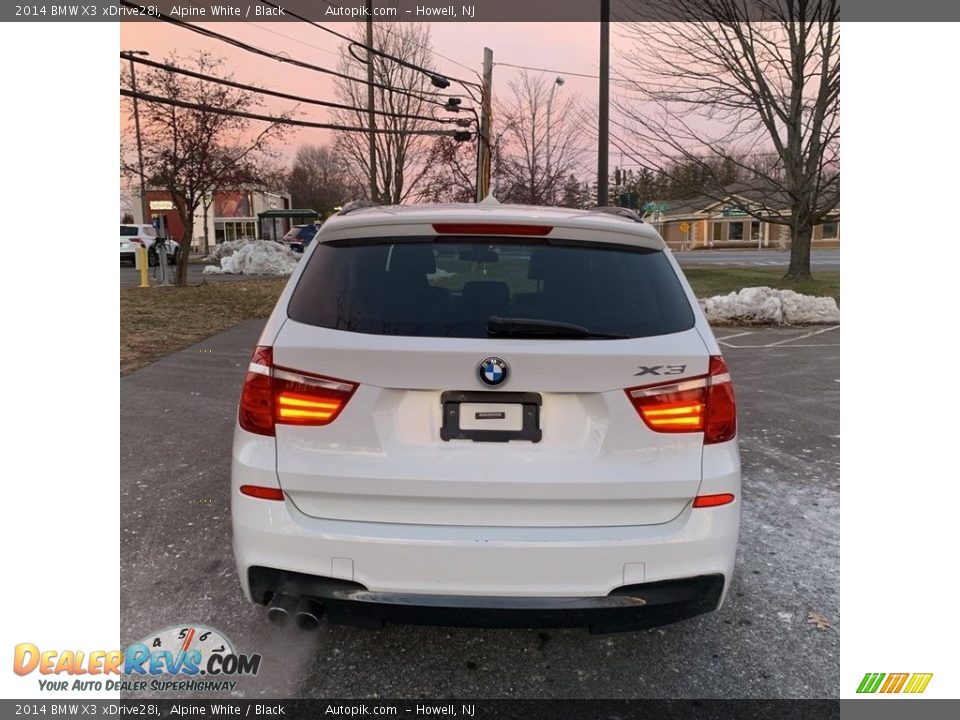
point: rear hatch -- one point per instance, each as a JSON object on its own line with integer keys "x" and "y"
{"x": 487, "y": 384}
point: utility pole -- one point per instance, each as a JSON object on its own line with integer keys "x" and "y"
{"x": 144, "y": 205}
{"x": 483, "y": 141}
{"x": 603, "y": 145}
{"x": 371, "y": 119}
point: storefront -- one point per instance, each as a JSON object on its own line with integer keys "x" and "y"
{"x": 226, "y": 215}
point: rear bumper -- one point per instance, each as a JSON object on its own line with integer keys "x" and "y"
{"x": 631, "y": 607}
{"x": 523, "y": 570}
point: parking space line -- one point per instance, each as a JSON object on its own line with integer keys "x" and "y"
{"x": 784, "y": 341}
{"x": 803, "y": 337}
{"x": 731, "y": 337}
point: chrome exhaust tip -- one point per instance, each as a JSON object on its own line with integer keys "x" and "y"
{"x": 280, "y": 609}
{"x": 308, "y": 614}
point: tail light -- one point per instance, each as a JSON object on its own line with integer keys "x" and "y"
{"x": 273, "y": 395}
{"x": 703, "y": 404}
{"x": 703, "y": 501}
{"x": 492, "y": 229}
{"x": 138, "y": 241}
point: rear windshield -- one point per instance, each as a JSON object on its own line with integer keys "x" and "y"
{"x": 451, "y": 288}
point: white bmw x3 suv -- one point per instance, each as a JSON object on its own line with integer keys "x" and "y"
{"x": 488, "y": 415}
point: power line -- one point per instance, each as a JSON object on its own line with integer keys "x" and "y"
{"x": 434, "y": 75}
{"x": 206, "y": 32}
{"x": 286, "y": 121}
{"x": 296, "y": 40}
{"x": 275, "y": 93}
{"x": 547, "y": 70}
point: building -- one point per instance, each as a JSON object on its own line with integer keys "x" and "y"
{"x": 705, "y": 222}
{"x": 228, "y": 215}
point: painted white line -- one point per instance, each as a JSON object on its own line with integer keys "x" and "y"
{"x": 731, "y": 337}
{"x": 803, "y": 337}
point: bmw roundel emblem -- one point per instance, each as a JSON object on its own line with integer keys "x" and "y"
{"x": 493, "y": 371}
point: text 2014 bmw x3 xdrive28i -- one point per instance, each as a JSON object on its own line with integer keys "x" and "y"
{"x": 486, "y": 415}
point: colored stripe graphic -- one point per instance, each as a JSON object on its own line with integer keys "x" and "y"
{"x": 918, "y": 682}
{"x": 894, "y": 682}
{"x": 870, "y": 682}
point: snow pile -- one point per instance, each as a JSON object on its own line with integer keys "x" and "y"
{"x": 766, "y": 306}
{"x": 251, "y": 257}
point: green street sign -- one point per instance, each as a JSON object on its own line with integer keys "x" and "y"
{"x": 655, "y": 207}
{"x": 733, "y": 212}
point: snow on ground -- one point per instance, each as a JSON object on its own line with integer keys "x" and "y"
{"x": 766, "y": 306}
{"x": 251, "y": 257}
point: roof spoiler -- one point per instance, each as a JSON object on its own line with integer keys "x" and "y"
{"x": 357, "y": 205}
{"x": 625, "y": 213}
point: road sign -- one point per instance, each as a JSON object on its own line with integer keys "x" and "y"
{"x": 655, "y": 207}
{"x": 684, "y": 226}
{"x": 734, "y": 212}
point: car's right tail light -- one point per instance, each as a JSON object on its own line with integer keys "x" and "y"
{"x": 702, "y": 404}
{"x": 274, "y": 395}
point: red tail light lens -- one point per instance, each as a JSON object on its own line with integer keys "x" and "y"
{"x": 702, "y": 501}
{"x": 274, "y": 395}
{"x": 492, "y": 229}
{"x": 262, "y": 493}
{"x": 256, "y": 401}
{"x": 703, "y": 404}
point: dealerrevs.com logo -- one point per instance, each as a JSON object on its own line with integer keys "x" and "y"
{"x": 181, "y": 658}
{"x": 911, "y": 683}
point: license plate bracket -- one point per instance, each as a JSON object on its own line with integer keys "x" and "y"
{"x": 452, "y": 400}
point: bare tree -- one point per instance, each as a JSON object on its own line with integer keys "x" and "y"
{"x": 453, "y": 172}
{"x": 725, "y": 84}
{"x": 530, "y": 171}
{"x": 318, "y": 179}
{"x": 401, "y": 154}
{"x": 190, "y": 153}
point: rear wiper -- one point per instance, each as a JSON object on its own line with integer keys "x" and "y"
{"x": 529, "y": 328}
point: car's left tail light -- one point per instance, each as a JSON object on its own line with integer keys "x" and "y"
{"x": 702, "y": 404}
{"x": 276, "y": 395}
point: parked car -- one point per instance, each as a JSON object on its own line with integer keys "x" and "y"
{"x": 134, "y": 236}
{"x": 300, "y": 236}
{"x": 534, "y": 427}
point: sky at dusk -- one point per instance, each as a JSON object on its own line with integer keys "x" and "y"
{"x": 571, "y": 47}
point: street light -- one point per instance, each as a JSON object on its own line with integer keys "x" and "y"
{"x": 144, "y": 207}
{"x": 558, "y": 82}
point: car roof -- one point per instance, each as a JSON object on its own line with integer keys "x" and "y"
{"x": 418, "y": 219}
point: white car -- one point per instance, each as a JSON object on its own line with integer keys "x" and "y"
{"x": 134, "y": 236}
{"x": 486, "y": 415}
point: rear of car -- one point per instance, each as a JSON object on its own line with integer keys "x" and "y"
{"x": 496, "y": 416}
{"x": 300, "y": 237}
{"x": 133, "y": 237}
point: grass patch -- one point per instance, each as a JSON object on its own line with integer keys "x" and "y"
{"x": 708, "y": 281}
{"x": 160, "y": 320}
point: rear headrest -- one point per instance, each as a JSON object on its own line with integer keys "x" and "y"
{"x": 412, "y": 260}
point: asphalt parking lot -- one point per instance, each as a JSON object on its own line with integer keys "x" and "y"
{"x": 177, "y": 565}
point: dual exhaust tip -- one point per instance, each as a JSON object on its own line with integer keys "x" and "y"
{"x": 305, "y": 613}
